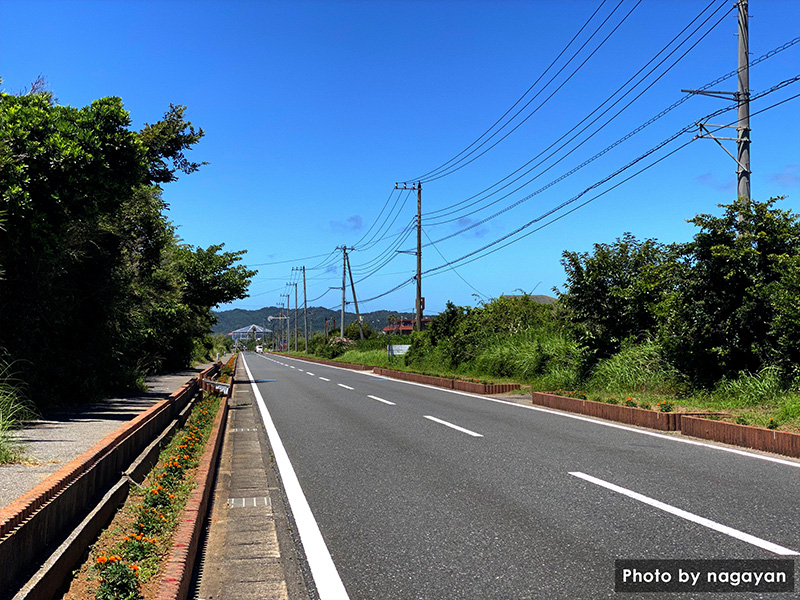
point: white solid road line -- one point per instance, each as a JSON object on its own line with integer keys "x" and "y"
{"x": 456, "y": 427}
{"x": 735, "y": 533}
{"x": 326, "y": 577}
{"x": 347, "y": 387}
{"x": 382, "y": 400}
{"x": 670, "y": 438}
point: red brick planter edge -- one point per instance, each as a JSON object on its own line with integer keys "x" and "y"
{"x": 756, "y": 438}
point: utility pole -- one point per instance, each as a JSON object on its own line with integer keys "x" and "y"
{"x": 418, "y": 188}
{"x": 295, "y": 315}
{"x": 305, "y": 309}
{"x": 288, "y": 305}
{"x": 742, "y": 99}
{"x": 355, "y": 301}
{"x": 344, "y": 272}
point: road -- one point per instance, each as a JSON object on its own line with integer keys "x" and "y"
{"x": 418, "y": 492}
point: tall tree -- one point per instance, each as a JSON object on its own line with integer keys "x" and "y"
{"x": 734, "y": 308}
{"x": 611, "y": 293}
{"x": 98, "y": 290}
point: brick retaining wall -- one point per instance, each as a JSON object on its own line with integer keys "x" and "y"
{"x": 44, "y": 516}
{"x": 177, "y": 574}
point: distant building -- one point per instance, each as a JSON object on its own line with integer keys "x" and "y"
{"x": 404, "y": 326}
{"x": 254, "y": 331}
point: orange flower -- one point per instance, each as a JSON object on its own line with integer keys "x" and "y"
{"x": 101, "y": 559}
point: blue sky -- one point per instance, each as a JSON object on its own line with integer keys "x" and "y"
{"x": 314, "y": 110}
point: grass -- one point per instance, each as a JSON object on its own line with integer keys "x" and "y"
{"x": 15, "y": 407}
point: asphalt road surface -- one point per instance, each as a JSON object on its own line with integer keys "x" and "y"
{"x": 402, "y": 491}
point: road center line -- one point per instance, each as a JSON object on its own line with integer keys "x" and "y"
{"x": 456, "y": 427}
{"x": 347, "y": 387}
{"x": 309, "y": 373}
{"x": 382, "y": 400}
{"x": 324, "y": 379}
{"x": 323, "y": 570}
{"x": 735, "y": 533}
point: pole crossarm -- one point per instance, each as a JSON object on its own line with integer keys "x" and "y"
{"x": 714, "y": 94}
{"x": 706, "y": 134}
{"x": 742, "y": 99}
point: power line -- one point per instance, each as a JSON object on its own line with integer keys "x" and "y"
{"x": 550, "y": 66}
{"x": 541, "y": 104}
{"x": 609, "y": 177}
{"x": 447, "y": 210}
{"x": 452, "y": 268}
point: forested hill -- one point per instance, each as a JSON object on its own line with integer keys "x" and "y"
{"x": 230, "y": 320}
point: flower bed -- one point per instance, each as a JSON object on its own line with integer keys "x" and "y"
{"x": 128, "y": 557}
{"x": 663, "y": 419}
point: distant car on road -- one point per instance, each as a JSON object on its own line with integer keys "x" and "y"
{"x": 259, "y": 348}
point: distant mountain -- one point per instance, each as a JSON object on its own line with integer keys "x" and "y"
{"x": 230, "y": 320}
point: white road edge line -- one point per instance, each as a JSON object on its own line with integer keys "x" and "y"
{"x": 743, "y": 452}
{"x": 735, "y": 533}
{"x": 577, "y": 417}
{"x": 347, "y": 387}
{"x": 326, "y": 577}
{"x": 382, "y": 400}
{"x": 456, "y": 427}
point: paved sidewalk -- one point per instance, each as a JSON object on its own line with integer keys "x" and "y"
{"x": 249, "y": 551}
{"x": 61, "y": 436}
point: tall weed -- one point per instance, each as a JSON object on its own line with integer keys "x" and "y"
{"x": 748, "y": 390}
{"x": 636, "y": 368}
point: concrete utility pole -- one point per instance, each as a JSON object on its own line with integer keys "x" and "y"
{"x": 418, "y": 188}
{"x": 295, "y": 315}
{"x": 355, "y": 300}
{"x": 288, "y": 304}
{"x": 305, "y": 309}
{"x": 344, "y": 274}
{"x": 742, "y": 99}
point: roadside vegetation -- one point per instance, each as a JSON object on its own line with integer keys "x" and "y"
{"x": 96, "y": 288}
{"x": 712, "y": 325}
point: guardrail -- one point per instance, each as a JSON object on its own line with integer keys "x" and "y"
{"x": 39, "y": 522}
